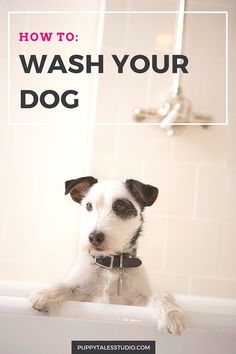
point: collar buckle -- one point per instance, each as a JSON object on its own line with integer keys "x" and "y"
{"x": 104, "y": 266}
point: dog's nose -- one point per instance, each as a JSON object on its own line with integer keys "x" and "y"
{"x": 96, "y": 238}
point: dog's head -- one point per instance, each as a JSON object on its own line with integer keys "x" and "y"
{"x": 112, "y": 212}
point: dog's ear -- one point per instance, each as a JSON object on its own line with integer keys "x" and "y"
{"x": 79, "y": 187}
{"x": 143, "y": 193}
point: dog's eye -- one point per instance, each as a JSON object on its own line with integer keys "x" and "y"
{"x": 124, "y": 208}
{"x": 120, "y": 207}
{"x": 89, "y": 206}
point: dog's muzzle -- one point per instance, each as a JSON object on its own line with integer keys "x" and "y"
{"x": 122, "y": 260}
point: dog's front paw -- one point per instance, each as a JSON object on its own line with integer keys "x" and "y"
{"x": 175, "y": 322}
{"x": 41, "y": 300}
{"x": 46, "y": 299}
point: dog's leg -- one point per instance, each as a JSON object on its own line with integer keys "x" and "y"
{"x": 46, "y": 299}
{"x": 169, "y": 315}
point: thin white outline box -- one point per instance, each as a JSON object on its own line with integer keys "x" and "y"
{"x": 120, "y": 12}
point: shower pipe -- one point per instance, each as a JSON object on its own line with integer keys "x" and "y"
{"x": 177, "y": 109}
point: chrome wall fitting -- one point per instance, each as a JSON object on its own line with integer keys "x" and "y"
{"x": 176, "y": 109}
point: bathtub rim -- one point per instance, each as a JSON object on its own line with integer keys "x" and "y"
{"x": 201, "y": 312}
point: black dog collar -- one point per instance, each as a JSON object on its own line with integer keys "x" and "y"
{"x": 122, "y": 260}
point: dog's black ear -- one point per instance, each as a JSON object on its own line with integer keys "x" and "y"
{"x": 79, "y": 187}
{"x": 143, "y": 193}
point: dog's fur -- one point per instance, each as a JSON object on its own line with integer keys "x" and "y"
{"x": 121, "y": 226}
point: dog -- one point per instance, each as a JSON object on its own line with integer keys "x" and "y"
{"x": 108, "y": 269}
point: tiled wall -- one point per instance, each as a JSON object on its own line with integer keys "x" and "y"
{"x": 189, "y": 242}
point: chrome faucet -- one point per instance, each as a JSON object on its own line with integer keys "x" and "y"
{"x": 175, "y": 110}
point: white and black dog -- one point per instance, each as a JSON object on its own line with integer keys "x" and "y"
{"x": 108, "y": 270}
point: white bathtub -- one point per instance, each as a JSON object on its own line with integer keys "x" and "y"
{"x": 211, "y": 325}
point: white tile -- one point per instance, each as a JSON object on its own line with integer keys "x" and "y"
{"x": 219, "y": 5}
{"x": 117, "y": 168}
{"x": 227, "y": 259}
{"x": 216, "y": 197}
{"x": 114, "y": 31}
{"x": 151, "y": 243}
{"x": 12, "y": 270}
{"x": 105, "y": 140}
{"x": 199, "y": 145}
{"x": 213, "y": 287}
{"x": 145, "y": 142}
{"x": 148, "y": 26}
{"x": 113, "y": 5}
{"x": 192, "y": 247}
{"x": 176, "y": 184}
{"x": 153, "y": 5}
{"x": 175, "y": 283}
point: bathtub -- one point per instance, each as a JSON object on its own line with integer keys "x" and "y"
{"x": 211, "y": 325}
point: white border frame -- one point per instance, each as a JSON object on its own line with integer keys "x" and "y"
{"x": 119, "y": 12}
